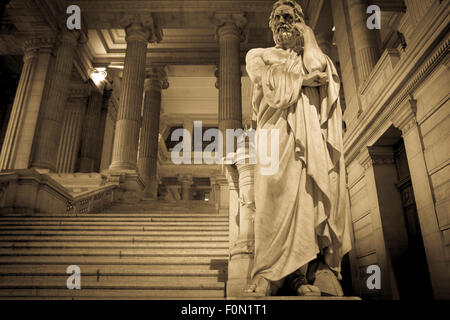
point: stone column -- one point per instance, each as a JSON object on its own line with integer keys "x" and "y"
{"x": 91, "y": 131}
{"x": 69, "y": 144}
{"x": 129, "y": 114}
{"x": 342, "y": 36}
{"x": 364, "y": 40}
{"x": 186, "y": 182}
{"x": 140, "y": 30}
{"x": 108, "y": 138}
{"x": 148, "y": 149}
{"x": 404, "y": 118}
{"x": 54, "y": 100}
{"x": 17, "y": 146}
{"x": 230, "y": 34}
{"x": 101, "y": 130}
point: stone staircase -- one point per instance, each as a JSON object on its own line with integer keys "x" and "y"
{"x": 152, "y": 250}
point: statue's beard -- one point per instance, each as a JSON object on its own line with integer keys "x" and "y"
{"x": 288, "y": 37}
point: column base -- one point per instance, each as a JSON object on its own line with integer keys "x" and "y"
{"x": 131, "y": 185}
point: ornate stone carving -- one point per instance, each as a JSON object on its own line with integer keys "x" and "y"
{"x": 142, "y": 28}
{"x": 405, "y": 116}
{"x": 230, "y": 23}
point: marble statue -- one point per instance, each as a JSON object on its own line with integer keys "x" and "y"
{"x": 302, "y": 212}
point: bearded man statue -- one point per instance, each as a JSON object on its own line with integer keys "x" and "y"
{"x": 302, "y": 226}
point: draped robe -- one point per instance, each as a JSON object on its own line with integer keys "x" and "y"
{"x": 302, "y": 209}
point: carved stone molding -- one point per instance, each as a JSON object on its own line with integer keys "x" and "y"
{"x": 157, "y": 76}
{"x": 32, "y": 46}
{"x": 141, "y": 27}
{"x": 405, "y": 116}
{"x": 376, "y": 155}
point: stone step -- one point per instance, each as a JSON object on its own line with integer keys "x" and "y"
{"x": 37, "y": 244}
{"x": 114, "y": 221}
{"x": 77, "y": 232}
{"x": 118, "y": 217}
{"x": 133, "y": 215}
{"x": 113, "y": 282}
{"x": 214, "y": 262}
{"x": 108, "y": 294}
{"x": 114, "y": 270}
{"x": 153, "y": 239}
{"x": 177, "y": 252}
{"x": 142, "y": 227}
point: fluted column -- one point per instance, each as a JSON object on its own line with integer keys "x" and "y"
{"x": 364, "y": 40}
{"x": 102, "y": 130}
{"x": 129, "y": 113}
{"x": 71, "y": 134}
{"x": 91, "y": 131}
{"x": 229, "y": 34}
{"x": 108, "y": 137}
{"x": 349, "y": 75}
{"x": 148, "y": 149}
{"x": 16, "y": 151}
{"x": 55, "y": 97}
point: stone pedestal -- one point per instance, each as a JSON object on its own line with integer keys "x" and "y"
{"x": 54, "y": 100}
{"x": 17, "y": 146}
{"x": 229, "y": 34}
{"x": 242, "y": 247}
{"x": 148, "y": 149}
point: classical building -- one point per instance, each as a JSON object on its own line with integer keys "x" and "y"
{"x": 89, "y": 115}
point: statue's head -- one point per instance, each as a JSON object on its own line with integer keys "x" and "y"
{"x": 283, "y": 19}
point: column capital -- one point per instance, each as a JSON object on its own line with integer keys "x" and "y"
{"x": 141, "y": 27}
{"x": 404, "y": 118}
{"x": 376, "y": 155}
{"x": 36, "y": 44}
{"x": 72, "y": 37}
{"x": 230, "y": 23}
{"x": 157, "y": 76}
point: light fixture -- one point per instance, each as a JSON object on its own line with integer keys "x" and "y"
{"x": 334, "y": 29}
{"x": 98, "y": 75}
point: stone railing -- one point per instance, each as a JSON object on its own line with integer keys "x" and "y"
{"x": 28, "y": 191}
{"x": 92, "y": 201}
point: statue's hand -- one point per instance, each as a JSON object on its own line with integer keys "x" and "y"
{"x": 315, "y": 79}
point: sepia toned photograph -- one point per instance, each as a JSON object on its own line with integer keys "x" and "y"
{"x": 237, "y": 152}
